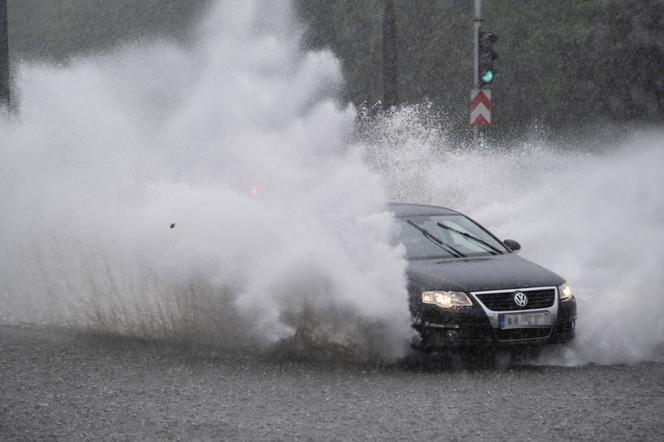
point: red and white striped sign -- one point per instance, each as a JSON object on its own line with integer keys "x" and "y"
{"x": 480, "y": 107}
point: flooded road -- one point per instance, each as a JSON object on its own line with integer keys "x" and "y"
{"x": 62, "y": 385}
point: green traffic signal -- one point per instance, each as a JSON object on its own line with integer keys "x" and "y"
{"x": 487, "y": 77}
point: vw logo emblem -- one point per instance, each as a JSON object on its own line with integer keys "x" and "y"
{"x": 520, "y": 299}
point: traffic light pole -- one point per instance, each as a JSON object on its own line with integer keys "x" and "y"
{"x": 4, "y": 56}
{"x": 477, "y": 23}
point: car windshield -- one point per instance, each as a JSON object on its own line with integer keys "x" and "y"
{"x": 446, "y": 236}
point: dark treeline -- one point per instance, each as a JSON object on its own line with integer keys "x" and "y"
{"x": 4, "y": 57}
{"x": 58, "y": 29}
{"x": 563, "y": 65}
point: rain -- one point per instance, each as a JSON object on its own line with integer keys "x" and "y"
{"x": 289, "y": 219}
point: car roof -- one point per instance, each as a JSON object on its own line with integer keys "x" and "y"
{"x": 408, "y": 209}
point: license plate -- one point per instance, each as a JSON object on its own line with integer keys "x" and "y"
{"x": 524, "y": 320}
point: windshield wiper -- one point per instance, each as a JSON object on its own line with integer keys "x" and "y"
{"x": 437, "y": 240}
{"x": 491, "y": 249}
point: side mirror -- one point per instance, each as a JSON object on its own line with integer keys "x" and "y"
{"x": 513, "y": 245}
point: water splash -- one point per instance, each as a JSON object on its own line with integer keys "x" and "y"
{"x": 595, "y": 218}
{"x": 279, "y": 227}
{"x": 206, "y": 193}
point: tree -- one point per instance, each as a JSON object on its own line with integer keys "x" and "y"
{"x": 4, "y": 55}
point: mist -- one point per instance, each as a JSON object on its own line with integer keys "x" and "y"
{"x": 220, "y": 193}
{"x": 595, "y": 218}
{"x": 210, "y": 194}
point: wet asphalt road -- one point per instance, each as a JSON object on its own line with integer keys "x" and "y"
{"x": 57, "y": 385}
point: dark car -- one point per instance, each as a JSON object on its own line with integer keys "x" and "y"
{"x": 467, "y": 288}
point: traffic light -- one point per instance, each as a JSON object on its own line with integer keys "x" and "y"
{"x": 487, "y": 55}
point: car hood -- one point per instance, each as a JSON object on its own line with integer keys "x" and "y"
{"x": 497, "y": 272}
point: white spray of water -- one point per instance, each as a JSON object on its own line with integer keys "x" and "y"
{"x": 280, "y": 229}
{"x": 596, "y": 219}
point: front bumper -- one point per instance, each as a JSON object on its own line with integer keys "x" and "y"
{"x": 477, "y": 327}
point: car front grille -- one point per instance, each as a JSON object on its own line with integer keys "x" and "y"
{"x": 504, "y": 301}
{"x": 522, "y": 333}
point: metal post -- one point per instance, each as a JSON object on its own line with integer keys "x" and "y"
{"x": 390, "y": 57}
{"x": 477, "y": 23}
{"x": 4, "y": 56}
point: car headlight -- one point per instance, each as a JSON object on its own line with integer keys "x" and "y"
{"x": 445, "y": 299}
{"x": 565, "y": 291}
